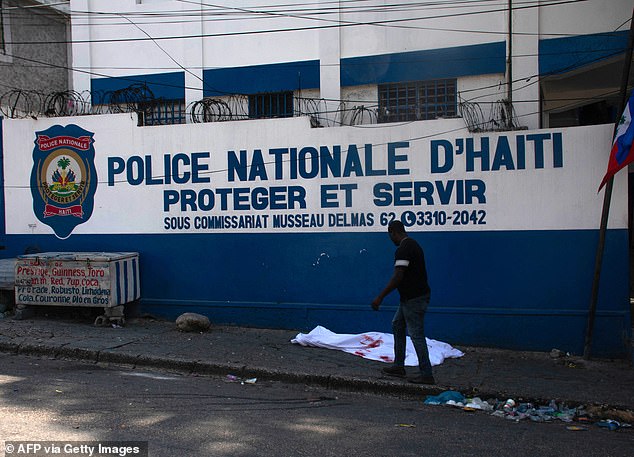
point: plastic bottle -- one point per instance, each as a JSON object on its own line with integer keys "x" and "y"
{"x": 610, "y": 424}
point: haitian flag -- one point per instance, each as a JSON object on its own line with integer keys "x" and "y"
{"x": 622, "y": 152}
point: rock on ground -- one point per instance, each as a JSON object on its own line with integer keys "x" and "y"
{"x": 192, "y": 322}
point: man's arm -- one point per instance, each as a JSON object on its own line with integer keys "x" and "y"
{"x": 394, "y": 282}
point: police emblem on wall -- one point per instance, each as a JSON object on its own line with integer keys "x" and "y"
{"x": 64, "y": 178}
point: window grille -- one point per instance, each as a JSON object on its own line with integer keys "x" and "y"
{"x": 164, "y": 112}
{"x": 274, "y": 104}
{"x": 417, "y": 100}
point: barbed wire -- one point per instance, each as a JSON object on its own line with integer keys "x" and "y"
{"x": 209, "y": 110}
{"x": 502, "y": 117}
{"x": 152, "y": 110}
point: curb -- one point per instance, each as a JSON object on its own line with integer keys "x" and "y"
{"x": 330, "y": 382}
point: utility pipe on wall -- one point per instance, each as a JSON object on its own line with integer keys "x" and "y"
{"x": 509, "y": 68}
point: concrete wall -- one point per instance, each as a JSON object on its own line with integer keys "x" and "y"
{"x": 37, "y": 52}
{"x": 275, "y": 223}
{"x": 254, "y": 34}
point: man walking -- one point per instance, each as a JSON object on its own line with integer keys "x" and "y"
{"x": 410, "y": 278}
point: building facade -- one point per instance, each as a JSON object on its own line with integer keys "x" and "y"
{"x": 297, "y": 133}
{"x": 499, "y": 65}
{"x": 34, "y": 57}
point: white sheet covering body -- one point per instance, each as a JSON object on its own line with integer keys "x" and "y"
{"x": 374, "y": 346}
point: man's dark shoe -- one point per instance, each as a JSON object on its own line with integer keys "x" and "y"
{"x": 394, "y": 370}
{"x": 420, "y": 379}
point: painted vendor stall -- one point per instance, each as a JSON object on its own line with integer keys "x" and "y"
{"x": 107, "y": 280}
{"x": 274, "y": 223}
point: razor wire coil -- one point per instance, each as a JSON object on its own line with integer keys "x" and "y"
{"x": 153, "y": 110}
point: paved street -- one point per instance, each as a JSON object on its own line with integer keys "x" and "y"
{"x": 268, "y": 353}
{"x": 45, "y": 399}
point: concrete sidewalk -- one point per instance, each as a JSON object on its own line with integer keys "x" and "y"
{"x": 269, "y": 354}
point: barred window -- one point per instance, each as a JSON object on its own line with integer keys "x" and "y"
{"x": 164, "y": 112}
{"x": 274, "y": 104}
{"x": 417, "y": 100}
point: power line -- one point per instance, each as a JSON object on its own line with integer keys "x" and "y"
{"x": 331, "y": 24}
{"x": 134, "y": 79}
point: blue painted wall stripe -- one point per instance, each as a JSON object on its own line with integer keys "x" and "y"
{"x": 505, "y": 289}
{"x": 169, "y": 86}
{"x": 556, "y": 55}
{"x": 452, "y": 62}
{"x": 255, "y": 79}
{"x": 559, "y": 55}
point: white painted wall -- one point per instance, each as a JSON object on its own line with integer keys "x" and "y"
{"x": 525, "y": 66}
{"x": 256, "y": 32}
{"x": 421, "y": 26}
{"x": 532, "y": 197}
{"x": 594, "y": 16}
